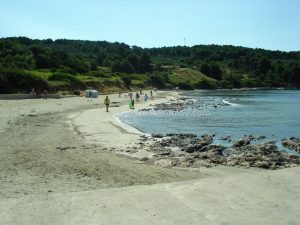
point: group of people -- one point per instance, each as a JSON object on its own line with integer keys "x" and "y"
{"x": 131, "y": 103}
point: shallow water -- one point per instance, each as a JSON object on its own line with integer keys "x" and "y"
{"x": 271, "y": 113}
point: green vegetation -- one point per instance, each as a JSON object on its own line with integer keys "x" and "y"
{"x": 70, "y": 65}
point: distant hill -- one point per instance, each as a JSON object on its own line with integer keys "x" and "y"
{"x": 69, "y": 65}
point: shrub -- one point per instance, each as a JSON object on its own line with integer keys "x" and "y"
{"x": 127, "y": 81}
{"x": 185, "y": 86}
{"x": 13, "y": 80}
{"x": 72, "y": 80}
{"x": 205, "y": 84}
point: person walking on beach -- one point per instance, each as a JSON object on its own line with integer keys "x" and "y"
{"x": 151, "y": 93}
{"x": 137, "y": 96}
{"x": 106, "y": 102}
{"x": 145, "y": 97}
{"x": 130, "y": 96}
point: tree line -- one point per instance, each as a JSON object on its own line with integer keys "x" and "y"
{"x": 227, "y": 66}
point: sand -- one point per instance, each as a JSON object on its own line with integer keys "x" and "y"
{"x": 58, "y": 165}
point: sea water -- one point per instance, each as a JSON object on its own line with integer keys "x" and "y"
{"x": 274, "y": 114}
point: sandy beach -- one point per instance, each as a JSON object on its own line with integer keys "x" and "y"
{"x": 65, "y": 161}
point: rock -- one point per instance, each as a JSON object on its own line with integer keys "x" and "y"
{"x": 181, "y": 135}
{"x": 242, "y": 142}
{"x": 157, "y": 135}
{"x": 226, "y": 138}
{"x": 187, "y": 150}
{"x": 198, "y": 144}
{"x": 263, "y": 164}
{"x": 271, "y": 142}
{"x": 261, "y": 137}
{"x": 192, "y": 148}
{"x": 269, "y": 148}
{"x": 174, "y": 105}
{"x": 215, "y": 148}
{"x": 176, "y": 140}
{"x": 292, "y": 144}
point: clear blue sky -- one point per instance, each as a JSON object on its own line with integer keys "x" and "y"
{"x": 269, "y": 24}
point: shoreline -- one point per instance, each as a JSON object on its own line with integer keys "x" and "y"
{"x": 111, "y": 127}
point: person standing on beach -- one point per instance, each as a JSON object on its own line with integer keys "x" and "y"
{"x": 106, "y": 102}
{"x": 33, "y": 93}
{"x": 45, "y": 93}
{"x": 145, "y": 97}
{"x": 137, "y": 96}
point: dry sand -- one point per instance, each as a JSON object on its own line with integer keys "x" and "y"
{"x": 56, "y": 167}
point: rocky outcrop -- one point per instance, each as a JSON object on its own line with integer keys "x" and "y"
{"x": 176, "y": 140}
{"x": 242, "y": 142}
{"x": 199, "y": 144}
{"x": 191, "y": 151}
{"x": 292, "y": 144}
{"x": 266, "y": 156}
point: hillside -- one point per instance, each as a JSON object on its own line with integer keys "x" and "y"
{"x": 70, "y": 65}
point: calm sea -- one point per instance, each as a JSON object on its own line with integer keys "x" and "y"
{"x": 271, "y": 113}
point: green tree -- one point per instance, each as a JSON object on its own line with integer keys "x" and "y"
{"x": 127, "y": 81}
{"x": 101, "y": 55}
{"x": 205, "y": 69}
{"x": 145, "y": 63}
{"x": 134, "y": 61}
{"x": 116, "y": 66}
{"x": 263, "y": 66}
{"x": 215, "y": 71}
{"x": 126, "y": 67}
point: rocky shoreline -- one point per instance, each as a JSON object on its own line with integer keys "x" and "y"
{"x": 188, "y": 150}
